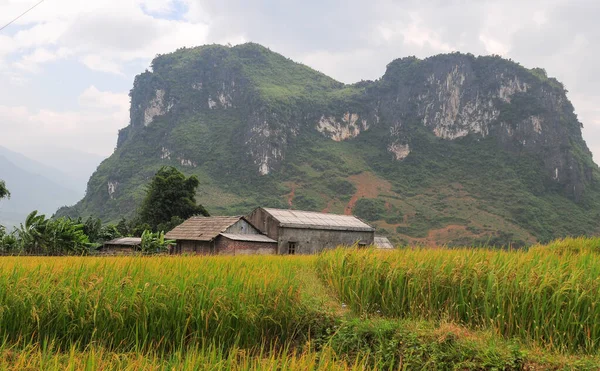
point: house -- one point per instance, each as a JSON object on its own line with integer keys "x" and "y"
{"x": 220, "y": 235}
{"x": 307, "y": 232}
{"x": 382, "y": 243}
{"x": 121, "y": 246}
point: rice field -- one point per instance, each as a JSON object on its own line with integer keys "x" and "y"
{"x": 549, "y": 295}
{"x": 155, "y": 303}
{"x": 346, "y": 309}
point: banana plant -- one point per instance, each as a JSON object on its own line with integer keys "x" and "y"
{"x": 52, "y": 236}
{"x": 154, "y": 243}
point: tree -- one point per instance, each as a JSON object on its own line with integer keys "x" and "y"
{"x": 3, "y": 191}
{"x": 170, "y": 194}
{"x": 8, "y": 242}
{"x": 91, "y": 227}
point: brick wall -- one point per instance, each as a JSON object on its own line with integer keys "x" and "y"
{"x": 225, "y": 246}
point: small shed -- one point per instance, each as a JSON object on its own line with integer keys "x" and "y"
{"x": 121, "y": 246}
{"x": 309, "y": 232}
{"x": 220, "y": 235}
{"x": 382, "y": 243}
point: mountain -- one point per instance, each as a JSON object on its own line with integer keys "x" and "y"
{"x": 33, "y": 186}
{"x": 451, "y": 149}
{"x": 76, "y": 166}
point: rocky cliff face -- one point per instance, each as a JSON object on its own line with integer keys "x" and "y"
{"x": 245, "y": 116}
{"x": 458, "y": 95}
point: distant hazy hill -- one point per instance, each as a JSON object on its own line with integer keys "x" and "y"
{"x": 76, "y": 167}
{"x": 449, "y": 149}
{"x": 33, "y": 186}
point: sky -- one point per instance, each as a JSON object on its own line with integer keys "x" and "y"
{"x": 67, "y": 66}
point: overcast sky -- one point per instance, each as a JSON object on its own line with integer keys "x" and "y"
{"x": 67, "y": 66}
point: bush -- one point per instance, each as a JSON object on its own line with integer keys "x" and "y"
{"x": 369, "y": 209}
{"x": 341, "y": 187}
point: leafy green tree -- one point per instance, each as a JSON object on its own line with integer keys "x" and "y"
{"x": 108, "y": 232}
{"x": 92, "y": 227}
{"x": 170, "y": 194}
{"x": 8, "y": 242}
{"x": 124, "y": 227}
{"x": 3, "y": 191}
{"x": 174, "y": 222}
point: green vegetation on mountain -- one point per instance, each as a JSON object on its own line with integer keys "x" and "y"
{"x": 452, "y": 149}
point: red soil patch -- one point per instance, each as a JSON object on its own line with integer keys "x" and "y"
{"x": 367, "y": 185}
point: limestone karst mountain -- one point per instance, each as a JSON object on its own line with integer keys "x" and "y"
{"x": 450, "y": 149}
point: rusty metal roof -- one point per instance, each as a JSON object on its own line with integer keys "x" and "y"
{"x": 129, "y": 241}
{"x": 315, "y": 220}
{"x": 248, "y": 237}
{"x": 201, "y": 228}
{"x": 382, "y": 243}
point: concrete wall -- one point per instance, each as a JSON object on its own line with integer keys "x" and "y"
{"x": 265, "y": 223}
{"x": 312, "y": 241}
{"x": 242, "y": 227}
{"x": 225, "y": 246}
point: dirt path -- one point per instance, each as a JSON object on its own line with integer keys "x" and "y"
{"x": 328, "y": 207}
{"x": 292, "y": 195}
{"x": 317, "y": 293}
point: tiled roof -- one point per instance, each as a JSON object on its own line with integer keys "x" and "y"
{"x": 201, "y": 228}
{"x": 383, "y": 243}
{"x": 315, "y": 220}
{"x": 248, "y": 237}
{"x": 131, "y": 241}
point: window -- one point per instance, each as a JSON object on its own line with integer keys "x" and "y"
{"x": 292, "y": 248}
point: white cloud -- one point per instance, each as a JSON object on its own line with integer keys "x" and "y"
{"x": 31, "y": 62}
{"x": 91, "y": 128}
{"x": 94, "y": 98}
{"x": 355, "y": 64}
{"x": 102, "y": 35}
{"x": 349, "y": 41}
{"x": 418, "y": 34}
{"x": 96, "y": 62}
{"x": 493, "y": 46}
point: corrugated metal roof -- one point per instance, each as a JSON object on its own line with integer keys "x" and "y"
{"x": 383, "y": 243}
{"x": 131, "y": 241}
{"x": 315, "y": 220}
{"x": 248, "y": 237}
{"x": 201, "y": 228}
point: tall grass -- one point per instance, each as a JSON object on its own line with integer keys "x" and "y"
{"x": 543, "y": 296}
{"x": 161, "y": 303}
